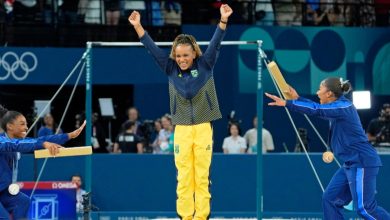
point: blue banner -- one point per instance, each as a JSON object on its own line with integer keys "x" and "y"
{"x": 51, "y": 66}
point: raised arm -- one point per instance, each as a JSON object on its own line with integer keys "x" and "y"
{"x": 226, "y": 11}
{"x": 158, "y": 54}
{"x": 62, "y": 138}
{"x": 135, "y": 20}
{"x": 212, "y": 51}
{"x": 281, "y": 102}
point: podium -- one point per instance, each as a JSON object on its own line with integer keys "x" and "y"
{"x": 51, "y": 200}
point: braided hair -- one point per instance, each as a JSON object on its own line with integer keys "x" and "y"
{"x": 185, "y": 39}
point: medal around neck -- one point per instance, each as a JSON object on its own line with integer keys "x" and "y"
{"x": 327, "y": 157}
{"x": 13, "y": 189}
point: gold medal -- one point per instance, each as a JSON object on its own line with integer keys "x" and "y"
{"x": 327, "y": 157}
{"x": 13, "y": 189}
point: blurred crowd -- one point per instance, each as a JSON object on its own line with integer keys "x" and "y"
{"x": 70, "y": 23}
{"x": 367, "y": 13}
{"x": 155, "y": 136}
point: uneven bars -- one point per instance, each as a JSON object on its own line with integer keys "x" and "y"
{"x": 123, "y": 44}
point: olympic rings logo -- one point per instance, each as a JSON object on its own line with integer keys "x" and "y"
{"x": 11, "y": 63}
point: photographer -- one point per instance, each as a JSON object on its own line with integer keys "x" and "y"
{"x": 133, "y": 115}
{"x": 378, "y": 130}
{"x": 128, "y": 141}
{"x": 150, "y": 131}
{"x": 76, "y": 179}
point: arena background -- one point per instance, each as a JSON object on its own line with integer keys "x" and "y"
{"x": 129, "y": 76}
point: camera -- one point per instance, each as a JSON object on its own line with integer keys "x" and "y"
{"x": 385, "y": 112}
{"x": 384, "y": 134}
{"x": 302, "y": 132}
{"x": 86, "y": 202}
{"x": 232, "y": 118}
{"x": 147, "y": 129}
{"x": 87, "y": 205}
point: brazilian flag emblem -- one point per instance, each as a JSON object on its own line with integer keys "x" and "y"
{"x": 176, "y": 149}
{"x": 194, "y": 73}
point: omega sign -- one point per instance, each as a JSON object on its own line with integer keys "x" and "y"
{"x": 17, "y": 66}
{"x": 63, "y": 185}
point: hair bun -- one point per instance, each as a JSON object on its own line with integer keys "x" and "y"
{"x": 345, "y": 85}
{"x": 3, "y": 110}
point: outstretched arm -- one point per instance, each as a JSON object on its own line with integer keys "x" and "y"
{"x": 76, "y": 133}
{"x": 135, "y": 20}
{"x": 50, "y": 142}
{"x": 212, "y": 50}
{"x": 27, "y": 145}
{"x": 276, "y": 100}
{"x": 306, "y": 106}
{"x": 158, "y": 54}
{"x": 62, "y": 138}
{"x": 280, "y": 102}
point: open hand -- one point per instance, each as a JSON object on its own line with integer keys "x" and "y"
{"x": 277, "y": 101}
{"x": 77, "y": 132}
